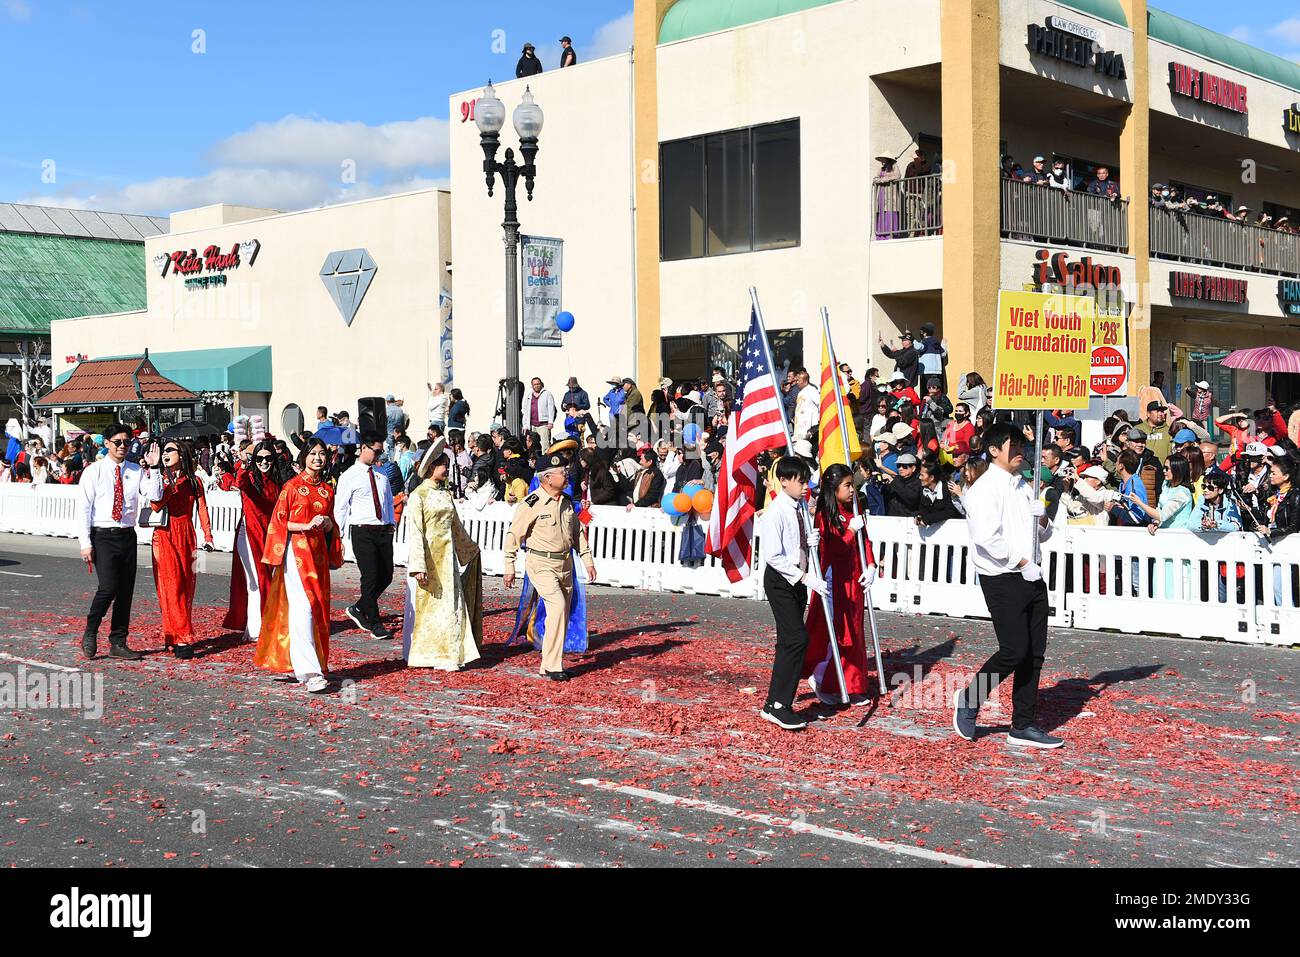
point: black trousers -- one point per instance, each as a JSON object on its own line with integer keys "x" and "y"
{"x": 789, "y": 602}
{"x": 113, "y": 553}
{"x": 373, "y": 547}
{"x": 1019, "y": 612}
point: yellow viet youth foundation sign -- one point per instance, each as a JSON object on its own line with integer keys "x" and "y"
{"x": 1043, "y": 354}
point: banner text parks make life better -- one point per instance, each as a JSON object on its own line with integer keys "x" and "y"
{"x": 1043, "y": 358}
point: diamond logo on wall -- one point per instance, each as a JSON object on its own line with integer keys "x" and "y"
{"x": 347, "y": 276}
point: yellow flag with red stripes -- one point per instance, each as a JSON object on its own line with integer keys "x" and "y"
{"x": 833, "y": 432}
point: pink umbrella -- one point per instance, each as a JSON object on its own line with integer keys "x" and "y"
{"x": 1264, "y": 359}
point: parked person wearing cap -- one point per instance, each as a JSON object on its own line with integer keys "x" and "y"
{"x": 1089, "y": 501}
{"x": 1156, "y": 428}
{"x": 1250, "y": 481}
{"x": 570, "y": 56}
{"x": 442, "y": 626}
{"x": 528, "y": 64}
{"x": 903, "y": 490}
{"x": 907, "y": 362}
{"x": 1038, "y": 174}
{"x": 1005, "y": 523}
{"x": 575, "y": 395}
{"x": 613, "y": 399}
{"x": 547, "y": 525}
{"x": 1202, "y": 402}
{"x": 899, "y": 390}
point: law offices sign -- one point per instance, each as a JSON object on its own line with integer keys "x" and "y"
{"x": 1075, "y": 43}
{"x": 541, "y": 262}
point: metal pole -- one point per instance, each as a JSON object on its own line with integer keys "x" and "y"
{"x": 814, "y": 566}
{"x": 1038, "y": 477}
{"x": 511, "y": 226}
{"x": 846, "y": 423}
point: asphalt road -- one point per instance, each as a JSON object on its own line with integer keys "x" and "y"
{"x": 1179, "y": 752}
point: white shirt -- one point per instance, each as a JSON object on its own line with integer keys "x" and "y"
{"x": 779, "y": 538}
{"x": 354, "y": 501}
{"x": 95, "y": 498}
{"x": 438, "y": 408}
{"x": 807, "y": 410}
{"x": 669, "y": 465}
{"x": 1000, "y": 522}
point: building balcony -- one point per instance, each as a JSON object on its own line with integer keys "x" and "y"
{"x": 1067, "y": 217}
{"x": 909, "y": 207}
{"x": 1217, "y": 241}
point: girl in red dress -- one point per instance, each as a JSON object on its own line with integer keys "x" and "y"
{"x": 250, "y": 577}
{"x": 174, "y": 545}
{"x": 302, "y": 545}
{"x": 838, "y": 551}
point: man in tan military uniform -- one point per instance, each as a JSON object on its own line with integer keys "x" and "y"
{"x": 547, "y": 522}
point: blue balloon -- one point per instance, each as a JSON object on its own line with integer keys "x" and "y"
{"x": 564, "y": 322}
{"x": 666, "y": 503}
{"x": 691, "y": 433}
{"x": 690, "y": 488}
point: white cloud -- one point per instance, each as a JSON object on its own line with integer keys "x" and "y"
{"x": 613, "y": 37}
{"x": 1288, "y": 30}
{"x": 18, "y": 10}
{"x": 293, "y": 163}
{"x": 300, "y": 142}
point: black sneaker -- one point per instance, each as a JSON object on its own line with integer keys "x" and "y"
{"x": 963, "y": 717}
{"x": 351, "y": 612}
{"x": 1033, "y": 737}
{"x": 88, "y": 644}
{"x": 783, "y": 717}
{"x": 183, "y": 652}
{"x": 122, "y": 651}
{"x": 378, "y": 631}
{"x": 558, "y": 675}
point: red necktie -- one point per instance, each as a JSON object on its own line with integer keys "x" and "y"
{"x": 374, "y": 493}
{"x": 118, "y": 498}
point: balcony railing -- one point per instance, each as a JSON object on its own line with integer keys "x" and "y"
{"x": 1045, "y": 214}
{"x": 909, "y": 207}
{"x": 1216, "y": 241}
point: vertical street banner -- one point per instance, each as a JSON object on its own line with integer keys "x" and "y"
{"x": 541, "y": 262}
{"x": 1043, "y": 354}
{"x": 444, "y": 336}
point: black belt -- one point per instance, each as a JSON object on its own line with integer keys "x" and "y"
{"x": 112, "y": 531}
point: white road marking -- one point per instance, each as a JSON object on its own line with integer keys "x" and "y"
{"x": 39, "y": 664}
{"x": 22, "y": 574}
{"x": 773, "y": 821}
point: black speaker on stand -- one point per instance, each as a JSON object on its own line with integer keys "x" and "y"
{"x": 372, "y": 415}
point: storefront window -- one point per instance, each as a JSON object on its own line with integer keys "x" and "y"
{"x": 730, "y": 192}
{"x": 681, "y": 199}
{"x": 693, "y": 357}
{"x": 776, "y": 185}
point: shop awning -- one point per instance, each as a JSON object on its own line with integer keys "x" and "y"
{"x": 237, "y": 369}
{"x": 130, "y": 380}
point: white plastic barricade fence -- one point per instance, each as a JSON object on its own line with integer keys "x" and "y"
{"x": 1229, "y": 586}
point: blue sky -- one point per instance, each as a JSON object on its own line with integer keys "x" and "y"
{"x": 112, "y": 92}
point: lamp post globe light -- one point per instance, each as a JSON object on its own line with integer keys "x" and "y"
{"x": 490, "y": 117}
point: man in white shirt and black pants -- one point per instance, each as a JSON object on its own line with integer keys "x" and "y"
{"x": 108, "y": 505}
{"x": 786, "y": 541}
{"x": 1006, "y": 524}
{"x": 363, "y": 503}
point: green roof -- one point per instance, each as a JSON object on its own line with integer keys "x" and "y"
{"x": 238, "y": 369}
{"x": 43, "y": 278}
{"x": 1101, "y": 9}
{"x": 693, "y": 18}
{"x": 1223, "y": 49}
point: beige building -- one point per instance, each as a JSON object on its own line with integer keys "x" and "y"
{"x": 285, "y": 310}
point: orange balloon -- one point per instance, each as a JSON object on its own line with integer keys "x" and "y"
{"x": 682, "y": 502}
{"x": 703, "y": 501}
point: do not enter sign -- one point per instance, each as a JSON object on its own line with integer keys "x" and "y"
{"x": 1109, "y": 370}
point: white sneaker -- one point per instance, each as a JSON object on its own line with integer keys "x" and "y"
{"x": 317, "y": 684}
{"x": 812, "y": 682}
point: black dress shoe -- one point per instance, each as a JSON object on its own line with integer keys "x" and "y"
{"x": 122, "y": 651}
{"x": 183, "y": 652}
{"x": 558, "y": 675}
{"x": 88, "y": 644}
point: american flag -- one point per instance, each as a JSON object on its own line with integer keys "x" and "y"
{"x": 754, "y": 426}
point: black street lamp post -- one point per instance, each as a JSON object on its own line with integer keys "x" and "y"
{"x": 489, "y": 116}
